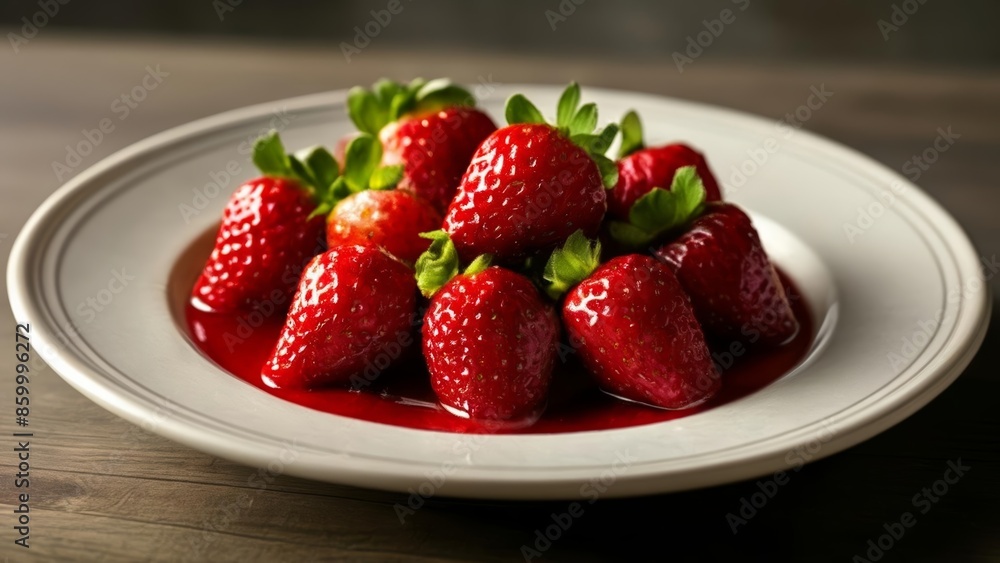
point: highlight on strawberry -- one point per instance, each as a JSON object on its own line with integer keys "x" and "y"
{"x": 352, "y": 302}
{"x": 533, "y": 183}
{"x": 430, "y": 128}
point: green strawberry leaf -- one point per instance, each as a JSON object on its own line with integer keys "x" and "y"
{"x": 361, "y": 158}
{"x": 571, "y": 264}
{"x": 269, "y": 156}
{"x": 437, "y": 264}
{"x": 482, "y": 262}
{"x": 568, "y": 102}
{"x": 386, "y": 177}
{"x": 631, "y": 134}
{"x": 441, "y": 93}
{"x": 321, "y": 164}
{"x": 520, "y": 110}
{"x": 386, "y": 90}
{"x": 661, "y": 210}
{"x": 628, "y": 234}
{"x": 364, "y": 109}
{"x": 387, "y": 101}
{"x": 608, "y": 169}
{"x": 584, "y": 120}
{"x": 576, "y": 122}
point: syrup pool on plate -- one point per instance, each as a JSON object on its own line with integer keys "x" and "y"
{"x": 402, "y": 396}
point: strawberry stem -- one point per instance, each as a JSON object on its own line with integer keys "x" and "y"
{"x": 571, "y": 264}
{"x": 631, "y": 134}
{"x": 437, "y": 264}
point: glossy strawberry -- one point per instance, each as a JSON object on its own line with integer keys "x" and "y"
{"x": 640, "y": 169}
{"x": 530, "y": 185}
{"x": 353, "y": 304}
{"x": 391, "y": 219}
{"x": 733, "y": 286}
{"x": 266, "y": 237}
{"x": 488, "y": 338}
{"x": 430, "y": 128}
{"x": 636, "y": 332}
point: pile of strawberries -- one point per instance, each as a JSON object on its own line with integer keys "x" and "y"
{"x": 494, "y": 250}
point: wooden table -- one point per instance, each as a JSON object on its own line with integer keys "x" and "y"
{"x": 103, "y": 489}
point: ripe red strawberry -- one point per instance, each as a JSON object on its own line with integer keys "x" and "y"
{"x": 366, "y": 209}
{"x": 733, "y": 286}
{"x": 391, "y": 219}
{"x": 267, "y": 234}
{"x": 353, "y": 303}
{"x": 531, "y": 184}
{"x": 634, "y": 328}
{"x": 488, "y": 338}
{"x": 430, "y": 128}
{"x": 640, "y": 169}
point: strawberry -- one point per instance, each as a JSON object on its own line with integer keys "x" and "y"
{"x": 488, "y": 337}
{"x": 633, "y": 326}
{"x": 430, "y": 128}
{"x": 367, "y": 210}
{"x": 733, "y": 286}
{"x": 661, "y": 212}
{"x": 531, "y": 184}
{"x": 352, "y": 305}
{"x": 641, "y": 169}
{"x": 268, "y": 230}
{"x": 392, "y": 219}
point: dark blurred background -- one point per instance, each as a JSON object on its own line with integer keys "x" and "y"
{"x": 941, "y": 32}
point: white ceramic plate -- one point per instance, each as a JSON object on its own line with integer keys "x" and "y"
{"x": 899, "y": 313}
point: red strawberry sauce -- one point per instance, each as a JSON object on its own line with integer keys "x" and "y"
{"x": 402, "y": 396}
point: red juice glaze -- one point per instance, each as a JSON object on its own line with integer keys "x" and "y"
{"x": 402, "y": 396}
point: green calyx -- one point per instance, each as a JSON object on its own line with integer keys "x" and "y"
{"x": 318, "y": 172}
{"x": 387, "y": 101}
{"x": 660, "y": 210}
{"x": 362, "y": 171}
{"x": 576, "y": 122}
{"x": 631, "y": 135}
{"x": 440, "y": 263}
{"x": 571, "y": 264}
{"x": 314, "y": 168}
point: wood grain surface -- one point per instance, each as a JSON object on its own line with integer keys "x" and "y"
{"x": 105, "y": 490}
